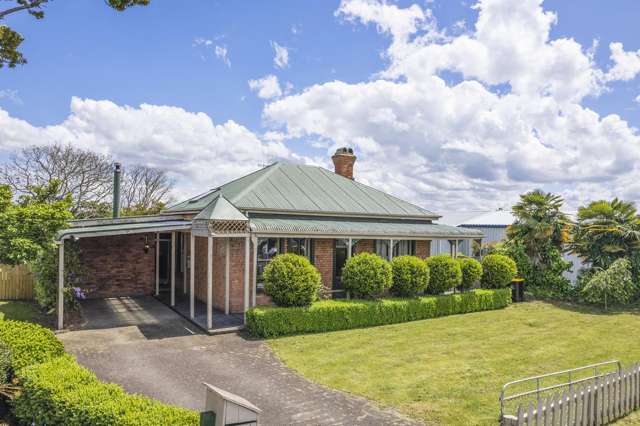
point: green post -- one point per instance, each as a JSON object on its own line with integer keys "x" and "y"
{"x": 117, "y": 173}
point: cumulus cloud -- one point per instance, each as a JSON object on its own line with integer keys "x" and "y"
{"x": 281, "y": 55}
{"x": 626, "y": 64}
{"x": 266, "y": 87}
{"x": 197, "y": 152}
{"x": 512, "y": 121}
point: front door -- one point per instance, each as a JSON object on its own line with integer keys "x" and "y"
{"x": 339, "y": 260}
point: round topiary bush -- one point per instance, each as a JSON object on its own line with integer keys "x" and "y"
{"x": 410, "y": 276}
{"x": 497, "y": 271}
{"x": 291, "y": 280}
{"x": 445, "y": 273}
{"x": 367, "y": 276}
{"x": 471, "y": 272}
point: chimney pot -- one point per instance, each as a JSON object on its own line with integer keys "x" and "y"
{"x": 343, "y": 161}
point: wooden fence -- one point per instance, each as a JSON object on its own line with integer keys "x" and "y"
{"x": 609, "y": 397}
{"x": 16, "y": 282}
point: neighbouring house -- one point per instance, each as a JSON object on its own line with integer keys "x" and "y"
{"x": 205, "y": 256}
{"x": 493, "y": 226}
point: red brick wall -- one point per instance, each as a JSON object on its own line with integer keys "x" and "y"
{"x": 323, "y": 260}
{"x": 364, "y": 246}
{"x": 423, "y": 248}
{"x": 118, "y": 266}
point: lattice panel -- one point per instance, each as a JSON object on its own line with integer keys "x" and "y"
{"x": 228, "y": 226}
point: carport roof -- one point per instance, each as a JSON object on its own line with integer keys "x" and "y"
{"x": 112, "y": 228}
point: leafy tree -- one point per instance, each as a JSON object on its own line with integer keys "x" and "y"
{"x": 539, "y": 224}
{"x": 606, "y": 231}
{"x": 29, "y": 226}
{"x": 10, "y": 40}
{"x": 612, "y": 285}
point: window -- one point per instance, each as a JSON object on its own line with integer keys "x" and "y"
{"x": 267, "y": 249}
{"x": 301, "y": 246}
{"x": 404, "y": 248}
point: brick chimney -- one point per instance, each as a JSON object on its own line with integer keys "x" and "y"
{"x": 343, "y": 161}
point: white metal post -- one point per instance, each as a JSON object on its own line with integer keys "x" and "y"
{"x": 61, "y": 285}
{"x": 192, "y": 273}
{"x": 390, "y": 250}
{"x": 349, "y": 248}
{"x": 227, "y": 263}
{"x": 246, "y": 274}
{"x": 209, "y": 282}
{"x": 157, "y": 263}
{"x": 173, "y": 268}
{"x": 254, "y": 278}
{"x": 184, "y": 262}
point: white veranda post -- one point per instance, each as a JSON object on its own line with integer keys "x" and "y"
{"x": 61, "y": 285}
{"x": 157, "y": 264}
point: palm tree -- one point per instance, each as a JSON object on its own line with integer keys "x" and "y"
{"x": 539, "y": 224}
{"x": 606, "y": 231}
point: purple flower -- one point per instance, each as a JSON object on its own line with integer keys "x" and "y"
{"x": 78, "y": 293}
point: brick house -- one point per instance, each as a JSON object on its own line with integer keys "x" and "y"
{"x": 205, "y": 256}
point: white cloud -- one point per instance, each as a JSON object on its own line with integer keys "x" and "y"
{"x": 219, "y": 50}
{"x": 267, "y": 87}
{"x": 11, "y": 95}
{"x": 512, "y": 122}
{"x": 637, "y": 99}
{"x": 222, "y": 54}
{"x": 626, "y": 64}
{"x": 281, "y": 55}
{"x": 194, "y": 150}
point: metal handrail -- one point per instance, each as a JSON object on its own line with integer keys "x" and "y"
{"x": 570, "y": 383}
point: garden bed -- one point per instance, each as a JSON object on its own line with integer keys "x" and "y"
{"x": 332, "y": 315}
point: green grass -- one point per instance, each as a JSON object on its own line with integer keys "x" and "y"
{"x": 450, "y": 370}
{"x": 22, "y": 311}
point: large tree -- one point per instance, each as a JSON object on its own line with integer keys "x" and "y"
{"x": 10, "y": 40}
{"x": 606, "y": 231}
{"x": 87, "y": 177}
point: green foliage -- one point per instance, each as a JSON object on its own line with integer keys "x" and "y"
{"x": 29, "y": 343}
{"x": 62, "y": 392}
{"x": 367, "y": 276}
{"x": 291, "y": 280}
{"x": 471, "y": 272}
{"x": 606, "y": 231}
{"x": 445, "y": 274}
{"x": 45, "y": 269}
{"x": 29, "y": 226}
{"x": 121, "y": 5}
{"x": 9, "y": 43}
{"x": 612, "y": 285}
{"x": 332, "y": 315}
{"x": 498, "y": 271}
{"x": 410, "y": 276}
{"x": 5, "y": 363}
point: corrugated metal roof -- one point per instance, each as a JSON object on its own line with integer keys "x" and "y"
{"x": 220, "y": 209}
{"x": 353, "y": 227}
{"x": 287, "y": 187}
{"x": 497, "y": 218}
{"x": 123, "y": 228}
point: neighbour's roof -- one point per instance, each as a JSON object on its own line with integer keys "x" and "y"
{"x": 497, "y": 218}
{"x": 286, "y": 188}
{"x": 327, "y": 226}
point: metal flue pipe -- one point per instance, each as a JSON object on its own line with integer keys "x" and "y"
{"x": 117, "y": 174}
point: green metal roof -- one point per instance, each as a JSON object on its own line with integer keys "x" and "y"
{"x": 220, "y": 209}
{"x": 353, "y": 227}
{"x": 123, "y": 228}
{"x": 283, "y": 187}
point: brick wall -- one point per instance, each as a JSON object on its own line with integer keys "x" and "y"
{"x": 118, "y": 266}
{"x": 364, "y": 246}
{"x": 323, "y": 260}
{"x": 423, "y": 248}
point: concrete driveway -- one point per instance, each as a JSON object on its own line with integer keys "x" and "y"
{"x": 147, "y": 348}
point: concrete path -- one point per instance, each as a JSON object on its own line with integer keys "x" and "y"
{"x": 157, "y": 355}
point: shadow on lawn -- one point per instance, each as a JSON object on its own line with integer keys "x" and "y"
{"x": 23, "y": 311}
{"x": 594, "y": 310}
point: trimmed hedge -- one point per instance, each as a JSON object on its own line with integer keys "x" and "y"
{"x": 367, "y": 276}
{"x": 62, "y": 392}
{"x": 445, "y": 273}
{"x": 291, "y": 280}
{"x": 332, "y": 315}
{"x": 498, "y": 271}
{"x": 29, "y": 343}
{"x": 410, "y": 276}
{"x": 471, "y": 272}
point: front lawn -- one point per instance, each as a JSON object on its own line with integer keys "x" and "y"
{"x": 22, "y": 311}
{"x": 450, "y": 370}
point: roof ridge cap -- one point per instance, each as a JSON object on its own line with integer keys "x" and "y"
{"x": 248, "y": 188}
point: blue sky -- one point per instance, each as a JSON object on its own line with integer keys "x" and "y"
{"x": 150, "y": 55}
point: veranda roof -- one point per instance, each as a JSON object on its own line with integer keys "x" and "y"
{"x": 97, "y": 230}
{"x": 339, "y": 227}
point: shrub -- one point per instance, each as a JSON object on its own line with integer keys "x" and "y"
{"x": 410, "y": 276}
{"x": 5, "y": 362}
{"x": 291, "y": 280}
{"x": 498, "y": 271}
{"x": 445, "y": 273}
{"x": 471, "y": 272}
{"x": 611, "y": 285}
{"x": 332, "y": 315}
{"x": 367, "y": 276}
{"x": 29, "y": 343}
{"x": 45, "y": 269}
{"x": 62, "y": 392}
